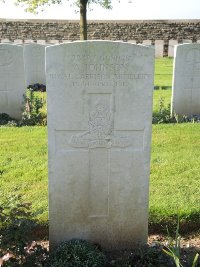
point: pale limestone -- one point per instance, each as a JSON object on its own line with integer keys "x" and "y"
{"x": 132, "y": 41}
{"x": 54, "y": 41}
{"x": 147, "y": 42}
{"x": 66, "y": 41}
{"x": 18, "y": 41}
{"x": 171, "y": 46}
{"x": 159, "y": 48}
{"x": 5, "y": 41}
{"x": 12, "y": 85}
{"x": 186, "y": 80}
{"x": 34, "y": 64}
{"x": 42, "y": 42}
{"x": 99, "y": 135}
{"x": 29, "y": 41}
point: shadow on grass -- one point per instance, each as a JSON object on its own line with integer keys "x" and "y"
{"x": 189, "y": 223}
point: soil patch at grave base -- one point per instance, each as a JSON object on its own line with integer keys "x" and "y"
{"x": 152, "y": 254}
{"x": 191, "y": 240}
{"x": 187, "y": 241}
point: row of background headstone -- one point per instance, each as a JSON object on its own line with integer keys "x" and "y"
{"x": 30, "y": 59}
{"x": 161, "y": 47}
{"x": 20, "y": 66}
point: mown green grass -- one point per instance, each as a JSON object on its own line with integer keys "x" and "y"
{"x": 159, "y": 95}
{"x": 163, "y": 71}
{"x": 23, "y": 166}
{"x": 175, "y": 173}
{"x": 162, "y": 77}
{"x": 174, "y": 179}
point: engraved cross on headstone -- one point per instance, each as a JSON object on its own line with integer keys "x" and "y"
{"x": 100, "y": 140}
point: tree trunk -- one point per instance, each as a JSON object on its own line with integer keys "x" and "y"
{"x": 83, "y": 19}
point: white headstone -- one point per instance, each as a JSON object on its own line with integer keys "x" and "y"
{"x": 34, "y": 64}
{"x": 29, "y": 41}
{"x": 186, "y": 80}
{"x": 12, "y": 86}
{"x": 159, "y": 48}
{"x": 172, "y": 43}
{"x": 132, "y": 41}
{"x": 147, "y": 42}
{"x": 42, "y": 42}
{"x": 18, "y": 41}
{"x": 54, "y": 41}
{"x": 6, "y": 41}
{"x": 66, "y": 41}
{"x": 99, "y": 131}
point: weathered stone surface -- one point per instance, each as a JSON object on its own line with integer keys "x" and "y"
{"x": 42, "y": 42}
{"x": 159, "y": 48}
{"x": 29, "y": 41}
{"x": 12, "y": 85}
{"x": 147, "y": 42}
{"x": 172, "y": 43}
{"x": 186, "y": 80}
{"x": 34, "y": 64}
{"x": 132, "y": 41}
{"x": 99, "y": 131}
{"x": 17, "y": 41}
{"x": 5, "y": 41}
{"x": 114, "y": 30}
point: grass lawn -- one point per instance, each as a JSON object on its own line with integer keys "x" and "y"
{"x": 175, "y": 174}
{"x": 174, "y": 181}
{"x": 165, "y": 95}
{"x": 23, "y": 167}
{"x": 163, "y": 71}
{"x": 175, "y": 171}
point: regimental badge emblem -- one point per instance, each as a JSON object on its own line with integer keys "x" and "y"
{"x": 101, "y": 131}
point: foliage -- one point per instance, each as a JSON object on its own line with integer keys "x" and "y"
{"x": 163, "y": 114}
{"x": 77, "y": 253}
{"x": 32, "y": 114}
{"x": 184, "y": 118}
{"x": 152, "y": 257}
{"x": 33, "y": 5}
{"x": 173, "y": 248}
{"x": 5, "y": 119}
{"x": 37, "y": 87}
{"x": 143, "y": 256}
{"x": 17, "y": 247}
